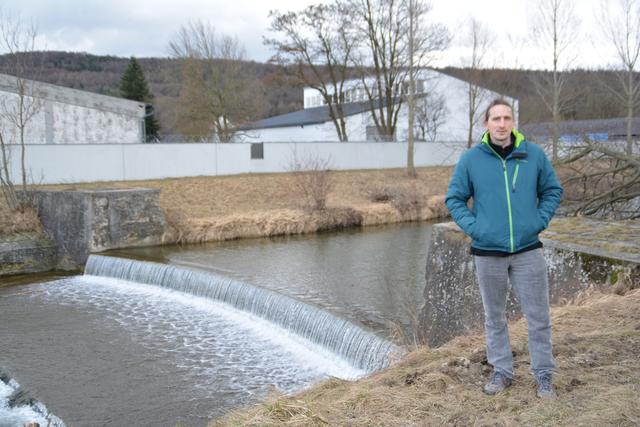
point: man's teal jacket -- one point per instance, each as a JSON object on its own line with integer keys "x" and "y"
{"x": 513, "y": 199}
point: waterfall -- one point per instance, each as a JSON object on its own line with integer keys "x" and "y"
{"x": 363, "y": 349}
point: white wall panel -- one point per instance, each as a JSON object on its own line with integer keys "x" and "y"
{"x": 70, "y": 163}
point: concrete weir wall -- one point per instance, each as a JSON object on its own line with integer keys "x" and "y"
{"x": 452, "y": 300}
{"x": 86, "y": 221}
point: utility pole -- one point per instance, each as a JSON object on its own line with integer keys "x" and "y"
{"x": 411, "y": 170}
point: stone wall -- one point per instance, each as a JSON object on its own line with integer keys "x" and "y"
{"x": 86, "y": 221}
{"x": 27, "y": 254}
{"x": 452, "y": 300}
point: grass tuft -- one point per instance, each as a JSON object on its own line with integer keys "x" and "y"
{"x": 19, "y": 221}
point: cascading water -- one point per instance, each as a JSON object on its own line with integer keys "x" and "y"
{"x": 362, "y": 349}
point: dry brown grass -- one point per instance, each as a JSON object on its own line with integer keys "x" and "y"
{"x": 17, "y": 222}
{"x": 217, "y": 208}
{"x": 597, "y": 342}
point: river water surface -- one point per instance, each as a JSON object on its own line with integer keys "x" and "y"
{"x": 101, "y": 351}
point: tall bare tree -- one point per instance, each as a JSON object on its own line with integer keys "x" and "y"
{"x": 478, "y": 38}
{"x": 556, "y": 31}
{"x": 21, "y": 104}
{"x": 383, "y": 61}
{"x": 218, "y": 94}
{"x": 316, "y": 45}
{"x": 622, "y": 28}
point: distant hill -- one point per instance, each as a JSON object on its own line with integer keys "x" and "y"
{"x": 587, "y": 93}
{"x": 101, "y": 74}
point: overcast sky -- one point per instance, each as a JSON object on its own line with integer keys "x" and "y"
{"x": 143, "y": 28}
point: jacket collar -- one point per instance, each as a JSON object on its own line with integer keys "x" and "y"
{"x": 519, "y": 139}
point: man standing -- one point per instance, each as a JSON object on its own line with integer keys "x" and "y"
{"x": 515, "y": 194}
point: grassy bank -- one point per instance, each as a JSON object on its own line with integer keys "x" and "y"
{"x": 203, "y": 209}
{"x": 596, "y": 342}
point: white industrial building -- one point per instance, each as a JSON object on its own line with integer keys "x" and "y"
{"x": 68, "y": 116}
{"x": 313, "y": 123}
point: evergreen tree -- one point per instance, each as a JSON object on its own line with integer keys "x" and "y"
{"x": 134, "y": 86}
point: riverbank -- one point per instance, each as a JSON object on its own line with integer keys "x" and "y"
{"x": 596, "y": 342}
{"x": 204, "y": 209}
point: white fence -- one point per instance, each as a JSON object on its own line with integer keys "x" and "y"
{"x": 53, "y": 164}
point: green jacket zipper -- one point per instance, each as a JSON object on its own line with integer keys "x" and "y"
{"x": 506, "y": 186}
{"x": 515, "y": 177}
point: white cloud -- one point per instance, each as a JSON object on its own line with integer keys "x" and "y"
{"x": 144, "y": 27}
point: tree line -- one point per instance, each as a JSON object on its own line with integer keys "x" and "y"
{"x": 103, "y": 74}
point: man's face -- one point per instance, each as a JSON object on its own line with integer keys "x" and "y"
{"x": 500, "y": 124}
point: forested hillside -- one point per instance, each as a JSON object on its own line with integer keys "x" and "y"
{"x": 102, "y": 74}
{"x": 591, "y": 96}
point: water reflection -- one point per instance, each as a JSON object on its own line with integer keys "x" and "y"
{"x": 373, "y": 276}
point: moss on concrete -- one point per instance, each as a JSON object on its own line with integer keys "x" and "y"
{"x": 611, "y": 236}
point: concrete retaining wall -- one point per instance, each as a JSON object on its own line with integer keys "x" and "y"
{"x": 27, "y": 254}
{"x": 53, "y": 164}
{"x": 86, "y": 221}
{"x": 453, "y": 305}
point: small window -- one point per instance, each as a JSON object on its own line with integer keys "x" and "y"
{"x": 257, "y": 151}
{"x": 373, "y": 135}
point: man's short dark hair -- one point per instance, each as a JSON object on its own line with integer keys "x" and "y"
{"x": 497, "y": 101}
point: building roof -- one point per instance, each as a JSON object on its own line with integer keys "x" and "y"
{"x": 77, "y": 97}
{"x": 307, "y": 116}
{"x": 595, "y": 129}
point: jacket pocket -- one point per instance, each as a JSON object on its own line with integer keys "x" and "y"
{"x": 491, "y": 234}
{"x": 530, "y": 230}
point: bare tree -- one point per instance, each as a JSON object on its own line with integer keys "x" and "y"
{"x": 556, "y": 27}
{"x": 431, "y": 115}
{"x": 6, "y": 184}
{"x": 479, "y": 38}
{"x": 316, "y": 45}
{"x": 218, "y": 94}
{"x": 601, "y": 180}
{"x": 622, "y": 27}
{"x": 20, "y": 103}
{"x": 383, "y": 61}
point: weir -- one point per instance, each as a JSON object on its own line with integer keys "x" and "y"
{"x": 362, "y": 349}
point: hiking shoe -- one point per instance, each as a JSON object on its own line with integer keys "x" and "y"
{"x": 499, "y": 382}
{"x": 546, "y": 390}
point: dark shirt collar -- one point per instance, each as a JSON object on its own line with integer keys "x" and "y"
{"x": 503, "y": 152}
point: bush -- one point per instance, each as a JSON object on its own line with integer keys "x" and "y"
{"x": 312, "y": 180}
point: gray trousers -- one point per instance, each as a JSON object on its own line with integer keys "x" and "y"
{"x": 527, "y": 273}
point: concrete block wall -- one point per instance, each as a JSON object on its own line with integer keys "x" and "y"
{"x": 452, "y": 303}
{"x": 86, "y": 221}
{"x": 27, "y": 254}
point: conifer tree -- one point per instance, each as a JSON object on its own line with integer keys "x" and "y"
{"x": 134, "y": 86}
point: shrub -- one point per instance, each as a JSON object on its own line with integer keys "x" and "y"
{"x": 312, "y": 180}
